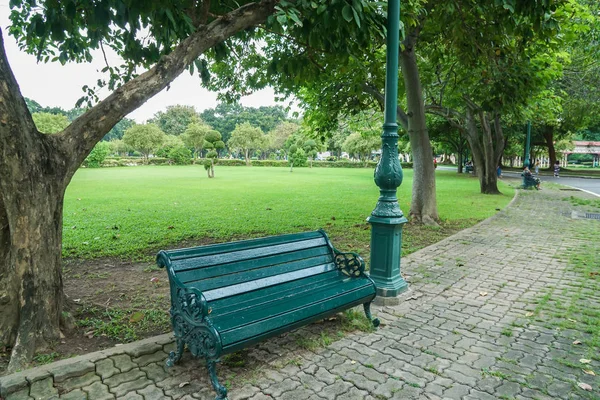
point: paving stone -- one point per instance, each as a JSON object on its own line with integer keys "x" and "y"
{"x": 146, "y": 348}
{"x": 127, "y": 387}
{"x": 332, "y": 392}
{"x": 78, "y": 382}
{"x": 121, "y": 378}
{"x": 389, "y": 388}
{"x": 43, "y": 389}
{"x": 131, "y": 396}
{"x": 277, "y": 389}
{"x": 12, "y": 383}
{"x": 155, "y": 372}
{"x": 243, "y": 393}
{"x": 152, "y": 392}
{"x": 106, "y": 368}
{"x": 123, "y": 362}
{"x": 158, "y": 357}
{"x": 508, "y": 389}
{"x": 72, "y": 370}
{"x": 99, "y": 391}
{"x": 22, "y": 394}
{"x": 76, "y": 394}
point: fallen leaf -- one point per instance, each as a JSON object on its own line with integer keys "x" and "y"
{"x": 529, "y": 314}
{"x": 589, "y": 372}
{"x": 333, "y": 218}
{"x": 585, "y": 386}
{"x": 154, "y": 280}
{"x": 171, "y": 227}
{"x": 585, "y": 361}
{"x": 137, "y": 317}
{"x": 483, "y": 294}
{"x": 182, "y": 384}
{"x": 352, "y": 362}
{"x": 577, "y": 342}
{"x": 572, "y": 320}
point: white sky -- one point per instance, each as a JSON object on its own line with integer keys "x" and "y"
{"x": 53, "y": 84}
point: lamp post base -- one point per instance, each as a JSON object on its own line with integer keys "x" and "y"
{"x": 386, "y": 240}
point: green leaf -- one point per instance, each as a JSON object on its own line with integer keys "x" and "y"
{"x": 356, "y": 18}
{"x": 347, "y": 13}
{"x": 136, "y": 317}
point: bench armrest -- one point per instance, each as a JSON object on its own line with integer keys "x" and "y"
{"x": 350, "y": 264}
{"x": 187, "y": 301}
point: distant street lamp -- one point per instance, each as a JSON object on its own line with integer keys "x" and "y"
{"x": 387, "y": 219}
{"x": 526, "y": 162}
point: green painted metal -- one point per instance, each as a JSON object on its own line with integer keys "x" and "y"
{"x": 387, "y": 219}
{"x": 526, "y": 157}
{"x": 228, "y": 296}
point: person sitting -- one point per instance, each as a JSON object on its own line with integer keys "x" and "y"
{"x": 529, "y": 179}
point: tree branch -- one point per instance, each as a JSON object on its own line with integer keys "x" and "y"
{"x": 380, "y": 98}
{"x": 16, "y": 125}
{"x": 79, "y": 138}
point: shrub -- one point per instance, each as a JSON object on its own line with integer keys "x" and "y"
{"x": 97, "y": 155}
{"x": 180, "y": 155}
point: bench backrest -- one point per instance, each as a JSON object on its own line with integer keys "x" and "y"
{"x": 223, "y": 270}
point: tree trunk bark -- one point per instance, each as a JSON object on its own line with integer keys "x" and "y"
{"x": 423, "y": 207}
{"x": 247, "y": 157}
{"x": 486, "y": 147}
{"x": 548, "y": 133}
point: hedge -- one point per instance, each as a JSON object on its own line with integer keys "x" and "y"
{"x": 133, "y": 161}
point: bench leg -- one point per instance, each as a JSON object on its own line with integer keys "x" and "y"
{"x": 174, "y": 357}
{"x": 221, "y": 390}
{"x": 374, "y": 321}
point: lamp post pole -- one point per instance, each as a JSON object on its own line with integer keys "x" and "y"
{"x": 526, "y": 162}
{"x": 387, "y": 219}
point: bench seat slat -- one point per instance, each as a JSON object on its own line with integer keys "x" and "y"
{"x": 245, "y": 254}
{"x": 246, "y": 300}
{"x": 252, "y": 285}
{"x": 322, "y": 303}
{"x": 200, "y": 251}
{"x": 264, "y": 305}
{"x": 219, "y": 271}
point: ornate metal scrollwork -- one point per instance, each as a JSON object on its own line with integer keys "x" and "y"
{"x": 191, "y": 303}
{"x": 350, "y": 264}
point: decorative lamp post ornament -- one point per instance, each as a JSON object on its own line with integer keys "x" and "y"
{"x": 387, "y": 219}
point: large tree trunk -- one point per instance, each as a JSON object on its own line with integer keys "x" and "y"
{"x": 35, "y": 170}
{"x": 548, "y": 132}
{"x": 423, "y": 207}
{"x": 486, "y": 146}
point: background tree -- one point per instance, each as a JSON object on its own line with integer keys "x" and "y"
{"x": 226, "y": 116}
{"x": 311, "y": 149}
{"x": 194, "y": 137}
{"x": 296, "y": 157}
{"x": 169, "y": 143}
{"x": 245, "y": 138}
{"x": 119, "y": 129}
{"x": 214, "y": 144}
{"x": 50, "y": 123}
{"x": 145, "y": 138}
{"x": 175, "y": 120}
{"x": 119, "y": 147}
{"x": 278, "y": 136}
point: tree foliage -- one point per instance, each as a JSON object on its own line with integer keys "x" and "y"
{"x": 145, "y": 138}
{"x": 245, "y": 138}
{"x": 50, "y": 123}
{"x": 176, "y": 119}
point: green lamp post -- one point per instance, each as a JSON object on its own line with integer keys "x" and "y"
{"x": 387, "y": 219}
{"x": 526, "y": 162}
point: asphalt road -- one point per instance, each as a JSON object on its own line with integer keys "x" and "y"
{"x": 586, "y": 184}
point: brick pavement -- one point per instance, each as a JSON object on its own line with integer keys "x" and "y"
{"x": 466, "y": 330}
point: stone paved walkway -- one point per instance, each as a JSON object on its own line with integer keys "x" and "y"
{"x": 472, "y": 327}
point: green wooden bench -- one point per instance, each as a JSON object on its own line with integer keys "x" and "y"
{"x": 529, "y": 181}
{"x": 225, "y": 297}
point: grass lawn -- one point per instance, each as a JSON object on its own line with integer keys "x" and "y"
{"x": 131, "y": 212}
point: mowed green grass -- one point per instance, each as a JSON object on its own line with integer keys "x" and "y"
{"x": 131, "y": 212}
